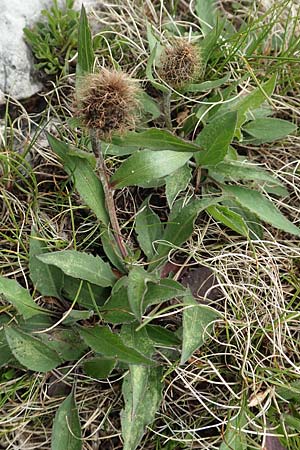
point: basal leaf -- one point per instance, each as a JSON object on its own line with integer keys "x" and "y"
{"x": 19, "y": 297}
{"x": 62, "y": 342}
{"x": 180, "y": 227}
{"x": 87, "y": 294}
{"x": 269, "y": 130}
{"x": 99, "y": 367}
{"x": 138, "y": 340}
{"x": 117, "y": 309}
{"x": 48, "y": 280}
{"x": 141, "y": 391}
{"x": 229, "y": 218}
{"x": 206, "y": 85}
{"x": 156, "y": 139}
{"x": 198, "y": 321}
{"x": 177, "y": 182}
{"x": 85, "y": 179}
{"x": 109, "y": 344}
{"x": 82, "y": 266}
{"x": 234, "y": 438}
{"x": 162, "y": 336}
{"x": 30, "y": 351}
{"x": 85, "y": 60}
{"x": 160, "y": 292}
{"x": 207, "y": 13}
{"x": 236, "y": 170}
{"x": 149, "y": 229}
{"x": 258, "y": 204}
{"x": 138, "y": 278}
{"x": 66, "y": 431}
{"x": 215, "y": 139}
{"x": 146, "y": 166}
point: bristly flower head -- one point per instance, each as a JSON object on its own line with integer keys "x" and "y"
{"x": 180, "y": 63}
{"x": 107, "y": 102}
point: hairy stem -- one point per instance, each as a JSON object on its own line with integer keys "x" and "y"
{"x": 167, "y": 109}
{"x": 108, "y": 192}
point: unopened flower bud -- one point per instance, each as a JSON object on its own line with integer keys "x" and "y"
{"x": 180, "y": 64}
{"x": 106, "y": 102}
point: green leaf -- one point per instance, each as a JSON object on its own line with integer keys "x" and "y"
{"x": 206, "y": 12}
{"x": 146, "y": 166}
{"x": 180, "y": 227}
{"x": 229, "y": 218}
{"x": 148, "y": 228}
{"x": 234, "y": 438}
{"x": 162, "y": 336}
{"x": 236, "y": 170}
{"x": 176, "y": 183}
{"x": 109, "y": 344}
{"x": 290, "y": 391}
{"x": 149, "y": 74}
{"x": 30, "y": 351}
{"x": 62, "y": 342}
{"x": 215, "y": 139}
{"x": 149, "y": 106}
{"x": 269, "y": 130}
{"x": 66, "y": 431}
{"x": 136, "y": 290}
{"x": 198, "y": 321}
{"x": 81, "y": 265}
{"x": 99, "y": 367}
{"x": 155, "y": 139}
{"x": 141, "y": 391}
{"x": 117, "y": 309}
{"x": 85, "y": 60}
{"x": 160, "y": 292}
{"x": 6, "y": 356}
{"x": 48, "y": 280}
{"x": 254, "y": 100}
{"x": 85, "y": 292}
{"x": 206, "y": 85}
{"x": 19, "y": 297}
{"x": 258, "y": 204}
{"x": 85, "y": 179}
{"x": 137, "y": 339}
{"x": 111, "y": 249}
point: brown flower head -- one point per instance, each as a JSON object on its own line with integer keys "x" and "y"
{"x": 107, "y": 102}
{"x": 179, "y": 63}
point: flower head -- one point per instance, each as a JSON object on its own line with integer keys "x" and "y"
{"x": 179, "y": 63}
{"x": 106, "y": 102}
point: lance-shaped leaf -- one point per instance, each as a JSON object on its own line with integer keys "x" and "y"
{"x": 81, "y": 265}
{"x": 206, "y": 11}
{"x": 99, "y": 367}
{"x": 66, "y": 431}
{"x": 198, "y": 322}
{"x": 234, "y": 438}
{"x": 141, "y": 391}
{"x": 111, "y": 345}
{"x": 176, "y": 183}
{"x": 269, "y": 129}
{"x": 138, "y": 278}
{"x": 258, "y": 204}
{"x": 229, "y": 218}
{"x": 85, "y": 60}
{"x": 48, "y": 280}
{"x": 78, "y": 166}
{"x": 215, "y": 139}
{"x": 149, "y": 229}
{"x": 156, "y": 139}
{"x": 19, "y": 297}
{"x": 236, "y": 170}
{"x": 147, "y": 166}
{"x": 30, "y": 351}
{"x": 180, "y": 227}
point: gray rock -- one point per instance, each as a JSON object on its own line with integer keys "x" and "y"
{"x": 16, "y": 61}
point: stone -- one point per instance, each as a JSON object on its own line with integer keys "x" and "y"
{"x": 17, "y": 77}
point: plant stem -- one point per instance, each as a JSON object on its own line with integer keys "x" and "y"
{"x": 108, "y": 192}
{"x": 167, "y": 109}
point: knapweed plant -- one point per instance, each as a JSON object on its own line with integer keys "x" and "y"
{"x": 114, "y": 300}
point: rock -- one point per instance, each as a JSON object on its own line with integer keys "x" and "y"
{"x": 16, "y": 61}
